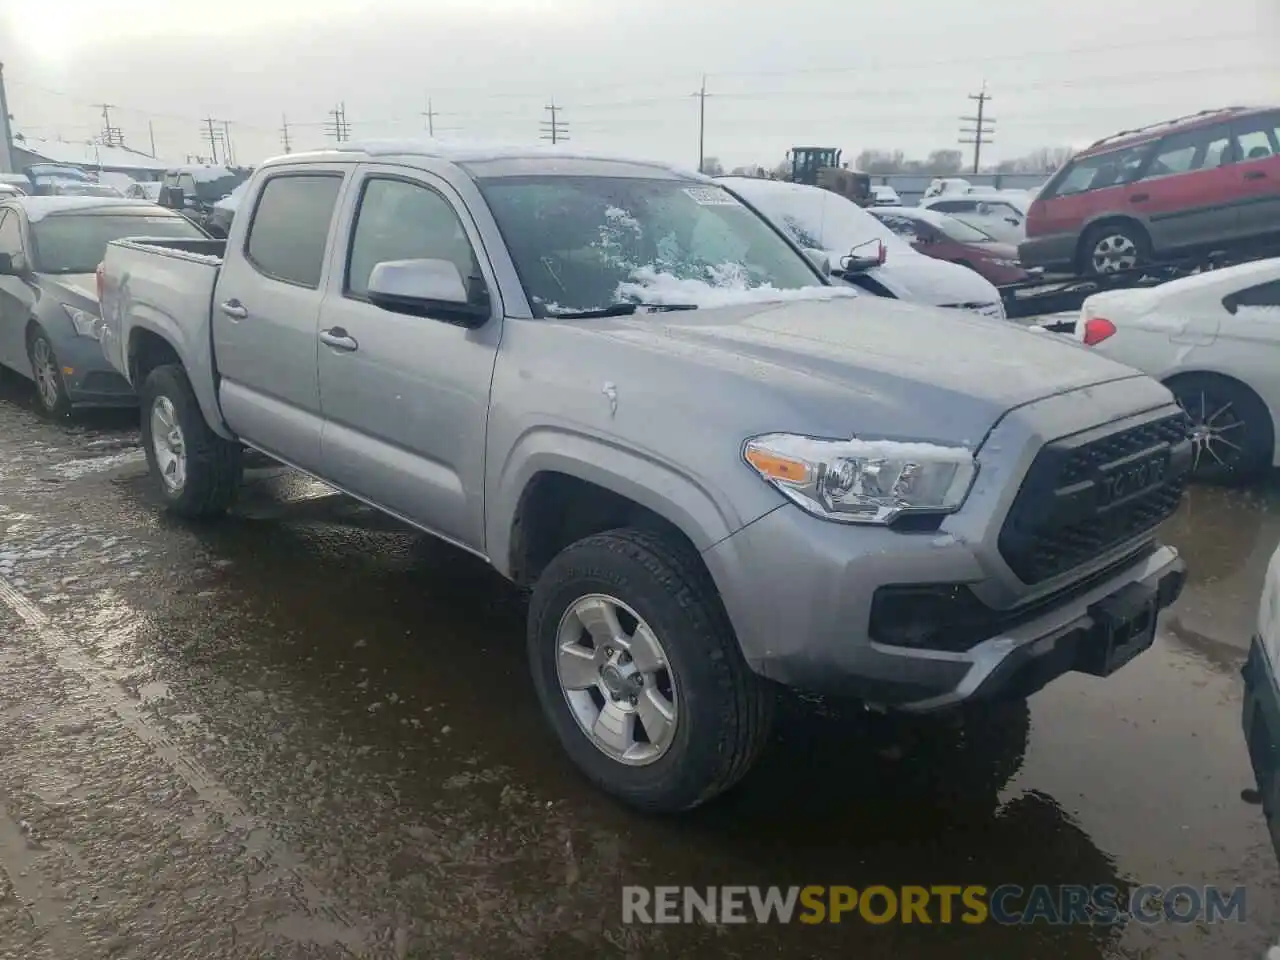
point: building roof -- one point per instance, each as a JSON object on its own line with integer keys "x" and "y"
{"x": 82, "y": 154}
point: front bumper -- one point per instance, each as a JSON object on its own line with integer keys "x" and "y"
{"x": 1261, "y": 720}
{"x": 812, "y": 633}
{"x": 1053, "y": 252}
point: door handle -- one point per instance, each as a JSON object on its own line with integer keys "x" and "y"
{"x": 1255, "y": 175}
{"x": 339, "y": 339}
{"x": 234, "y": 309}
{"x": 1139, "y": 197}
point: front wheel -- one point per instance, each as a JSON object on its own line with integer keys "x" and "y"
{"x": 51, "y": 389}
{"x": 198, "y": 472}
{"x": 640, "y": 675}
{"x": 1113, "y": 248}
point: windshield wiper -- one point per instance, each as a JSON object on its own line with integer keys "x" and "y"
{"x": 623, "y": 310}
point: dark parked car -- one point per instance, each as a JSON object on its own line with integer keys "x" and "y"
{"x": 49, "y": 314}
{"x": 194, "y": 190}
{"x": 1205, "y": 181}
{"x": 946, "y": 238}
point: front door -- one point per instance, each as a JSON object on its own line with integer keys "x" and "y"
{"x": 16, "y": 297}
{"x": 405, "y": 398}
{"x": 266, "y": 308}
{"x": 1183, "y": 192}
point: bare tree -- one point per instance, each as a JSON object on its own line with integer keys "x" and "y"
{"x": 712, "y": 167}
{"x": 944, "y": 162}
{"x": 1041, "y": 160}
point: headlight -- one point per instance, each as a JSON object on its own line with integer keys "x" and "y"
{"x": 1003, "y": 262}
{"x": 86, "y": 323}
{"x": 863, "y": 481}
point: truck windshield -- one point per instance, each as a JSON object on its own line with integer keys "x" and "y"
{"x": 74, "y": 243}
{"x": 585, "y": 243}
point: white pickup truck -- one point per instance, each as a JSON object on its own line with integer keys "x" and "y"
{"x": 718, "y": 471}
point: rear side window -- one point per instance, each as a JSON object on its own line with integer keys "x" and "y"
{"x": 1263, "y": 295}
{"x": 1100, "y": 171}
{"x": 955, "y": 206}
{"x": 10, "y": 234}
{"x": 290, "y": 227}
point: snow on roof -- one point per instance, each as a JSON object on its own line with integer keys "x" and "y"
{"x": 204, "y": 172}
{"x": 37, "y": 208}
{"x": 476, "y": 151}
{"x": 89, "y": 154}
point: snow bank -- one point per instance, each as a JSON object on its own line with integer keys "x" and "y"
{"x": 726, "y": 287}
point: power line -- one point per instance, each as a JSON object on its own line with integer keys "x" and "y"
{"x": 982, "y": 128}
{"x": 431, "y": 115}
{"x": 554, "y": 129}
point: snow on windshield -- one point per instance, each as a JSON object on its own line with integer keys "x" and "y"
{"x": 589, "y": 242}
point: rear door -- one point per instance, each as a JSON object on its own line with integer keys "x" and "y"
{"x": 1250, "y": 335}
{"x": 406, "y": 397}
{"x": 266, "y": 310}
{"x": 1258, "y": 174}
{"x": 16, "y": 296}
{"x": 1186, "y": 191}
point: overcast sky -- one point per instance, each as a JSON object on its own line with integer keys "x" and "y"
{"x": 846, "y": 73}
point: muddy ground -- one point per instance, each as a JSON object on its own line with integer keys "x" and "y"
{"x": 308, "y": 732}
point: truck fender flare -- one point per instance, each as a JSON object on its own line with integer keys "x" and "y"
{"x": 144, "y": 320}
{"x": 657, "y": 486}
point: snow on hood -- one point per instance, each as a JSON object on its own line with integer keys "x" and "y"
{"x": 726, "y": 288}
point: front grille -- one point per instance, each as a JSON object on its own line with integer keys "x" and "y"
{"x": 1073, "y": 505}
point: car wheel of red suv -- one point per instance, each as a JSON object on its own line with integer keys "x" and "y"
{"x": 1114, "y": 247}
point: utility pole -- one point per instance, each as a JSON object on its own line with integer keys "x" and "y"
{"x": 982, "y": 129}
{"x": 6, "y": 133}
{"x": 211, "y": 135}
{"x": 701, "y": 94}
{"x": 151, "y": 128}
{"x": 338, "y": 128}
{"x": 431, "y": 115}
{"x": 226, "y": 143}
{"x": 284, "y": 132}
{"x": 554, "y": 129}
{"x": 111, "y": 136}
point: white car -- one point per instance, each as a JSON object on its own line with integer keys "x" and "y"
{"x": 1261, "y": 715}
{"x": 883, "y": 195}
{"x": 1002, "y": 215}
{"x": 818, "y": 219}
{"x": 1214, "y": 338}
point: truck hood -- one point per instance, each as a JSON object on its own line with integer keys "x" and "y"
{"x": 913, "y": 372}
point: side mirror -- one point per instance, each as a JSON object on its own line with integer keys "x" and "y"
{"x": 427, "y": 288}
{"x": 819, "y": 259}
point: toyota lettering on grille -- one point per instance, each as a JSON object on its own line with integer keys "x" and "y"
{"x": 1122, "y": 482}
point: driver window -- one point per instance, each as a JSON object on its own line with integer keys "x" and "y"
{"x": 398, "y": 220}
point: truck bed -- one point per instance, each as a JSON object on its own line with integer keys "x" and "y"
{"x": 163, "y": 287}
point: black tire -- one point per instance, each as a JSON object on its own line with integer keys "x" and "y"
{"x": 1237, "y": 442}
{"x": 725, "y": 711}
{"x": 213, "y": 465}
{"x": 1123, "y": 231}
{"x": 51, "y": 390}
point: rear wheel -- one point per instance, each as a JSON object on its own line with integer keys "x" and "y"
{"x": 1232, "y": 436}
{"x": 198, "y": 472}
{"x": 639, "y": 672}
{"x": 1114, "y": 247}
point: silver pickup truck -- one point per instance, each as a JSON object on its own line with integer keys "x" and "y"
{"x": 717, "y": 471}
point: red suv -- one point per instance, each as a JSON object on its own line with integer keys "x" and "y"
{"x": 1209, "y": 180}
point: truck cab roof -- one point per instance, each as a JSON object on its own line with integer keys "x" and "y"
{"x": 480, "y": 159}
